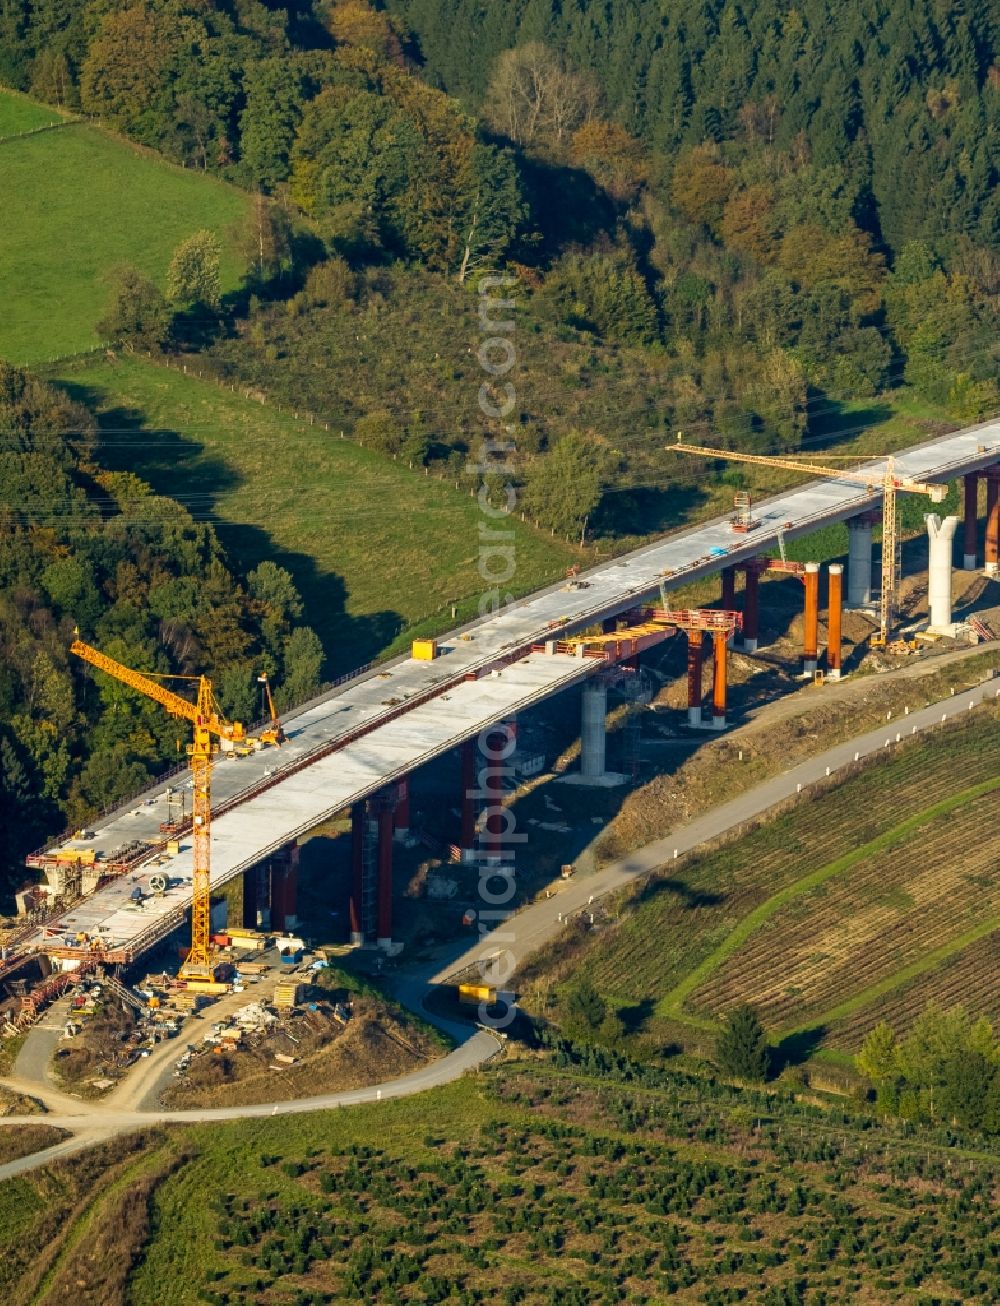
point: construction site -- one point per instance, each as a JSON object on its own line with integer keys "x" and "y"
{"x": 379, "y": 795}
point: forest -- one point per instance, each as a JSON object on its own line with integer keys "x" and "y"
{"x": 761, "y": 224}
{"x": 84, "y": 549}
{"x": 785, "y": 212}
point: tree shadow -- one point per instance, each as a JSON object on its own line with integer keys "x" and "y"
{"x": 568, "y": 205}
{"x": 179, "y": 466}
{"x": 832, "y": 420}
{"x": 647, "y": 510}
{"x": 796, "y": 1048}
{"x": 634, "y": 1017}
{"x": 305, "y": 251}
{"x": 691, "y": 898}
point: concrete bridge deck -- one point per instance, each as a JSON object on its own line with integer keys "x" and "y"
{"x": 379, "y": 727}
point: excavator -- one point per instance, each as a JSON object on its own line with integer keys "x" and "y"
{"x": 272, "y": 734}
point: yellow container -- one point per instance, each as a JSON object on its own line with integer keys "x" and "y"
{"x": 473, "y": 994}
{"x": 287, "y": 995}
{"x": 425, "y": 650}
{"x": 85, "y": 856}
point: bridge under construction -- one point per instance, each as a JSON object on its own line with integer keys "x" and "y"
{"x": 355, "y": 747}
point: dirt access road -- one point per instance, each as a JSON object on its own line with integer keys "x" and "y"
{"x": 514, "y": 941}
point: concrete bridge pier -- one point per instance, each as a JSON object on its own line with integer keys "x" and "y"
{"x": 810, "y": 635}
{"x": 370, "y": 906}
{"x": 496, "y": 765}
{"x": 284, "y": 866}
{"x": 593, "y": 730}
{"x": 359, "y": 822}
{"x": 751, "y": 606}
{"x": 728, "y": 603}
{"x": 384, "y": 824}
{"x": 940, "y": 533}
{"x": 593, "y": 737}
{"x": 401, "y": 818}
{"x": 834, "y": 621}
{"x": 859, "y": 561}
{"x": 992, "y": 545}
{"x": 971, "y": 522}
{"x": 720, "y": 646}
{"x": 695, "y": 664}
{"x": 469, "y": 804}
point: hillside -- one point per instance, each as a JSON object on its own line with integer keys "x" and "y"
{"x": 88, "y": 548}
{"x": 823, "y": 918}
{"x": 556, "y": 1180}
{"x": 376, "y": 550}
{"x": 77, "y": 204}
{"x": 907, "y": 95}
{"x": 20, "y": 114}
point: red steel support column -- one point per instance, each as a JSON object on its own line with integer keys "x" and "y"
{"x": 358, "y": 822}
{"x": 729, "y": 588}
{"x": 810, "y": 637}
{"x": 992, "y": 520}
{"x": 500, "y": 743}
{"x": 719, "y": 650}
{"x": 251, "y": 879}
{"x": 284, "y": 888}
{"x": 469, "y": 787}
{"x": 384, "y": 932}
{"x": 971, "y": 547}
{"x": 401, "y": 816}
{"x": 835, "y": 620}
{"x": 696, "y": 654}
{"x": 751, "y": 608}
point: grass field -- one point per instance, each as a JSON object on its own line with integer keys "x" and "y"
{"x": 19, "y": 114}
{"x": 816, "y": 914}
{"x": 375, "y": 548}
{"x": 77, "y": 203}
{"x": 566, "y": 1180}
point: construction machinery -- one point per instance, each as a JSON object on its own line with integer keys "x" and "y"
{"x": 742, "y": 519}
{"x": 883, "y": 480}
{"x": 208, "y": 725}
{"x": 273, "y": 734}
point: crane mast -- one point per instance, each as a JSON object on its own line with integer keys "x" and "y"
{"x": 207, "y": 723}
{"x": 876, "y": 480}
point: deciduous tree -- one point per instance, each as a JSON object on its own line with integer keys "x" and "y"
{"x": 137, "y": 314}
{"x": 535, "y": 99}
{"x": 194, "y": 274}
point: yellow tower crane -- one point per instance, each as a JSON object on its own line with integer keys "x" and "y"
{"x": 207, "y": 721}
{"x": 884, "y": 481}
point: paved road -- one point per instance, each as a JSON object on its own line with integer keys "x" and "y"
{"x": 538, "y": 924}
{"x": 522, "y": 935}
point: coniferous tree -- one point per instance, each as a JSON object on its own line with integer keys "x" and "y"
{"x": 741, "y": 1048}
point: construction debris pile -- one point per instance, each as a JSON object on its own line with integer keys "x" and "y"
{"x": 259, "y": 1039}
